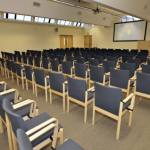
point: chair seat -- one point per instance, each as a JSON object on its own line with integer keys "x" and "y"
{"x": 70, "y": 145}
{"x": 23, "y": 111}
{"x": 37, "y": 120}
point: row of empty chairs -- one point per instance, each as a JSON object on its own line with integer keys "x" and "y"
{"x": 26, "y": 126}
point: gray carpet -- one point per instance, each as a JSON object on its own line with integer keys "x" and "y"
{"x": 98, "y": 137}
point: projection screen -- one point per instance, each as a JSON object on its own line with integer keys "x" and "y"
{"x": 130, "y": 31}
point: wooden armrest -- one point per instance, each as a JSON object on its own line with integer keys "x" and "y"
{"x": 107, "y": 74}
{"x": 2, "y": 82}
{"x": 128, "y": 98}
{"x": 7, "y": 91}
{"x": 133, "y": 78}
{"x": 66, "y": 82}
{"x": 23, "y": 103}
{"x": 41, "y": 132}
{"x": 40, "y": 126}
{"x": 92, "y": 89}
{"x": 47, "y": 77}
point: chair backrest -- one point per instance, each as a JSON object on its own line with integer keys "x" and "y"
{"x": 39, "y": 76}
{"x": 28, "y": 72}
{"x": 108, "y": 98}
{"x": 37, "y": 61}
{"x": 66, "y": 67}
{"x": 56, "y": 81}
{"x": 129, "y": 66}
{"x": 54, "y": 64}
{"x": 119, "y": 78}
{"x": 45, "y": 63}
{"x": 143, "y": 82}
{"x": 145, "y": 68}
{"x": 15, "y": 119}
{"x": 2, "y": 87}
{"x": 108, "y": 65}
{"x": 23, "y": 140}
{"x": 18, "y": 69}
{"x": 97, "y": 74}
{"x": 77, "y": 88}
{"x": 80, "y": 70}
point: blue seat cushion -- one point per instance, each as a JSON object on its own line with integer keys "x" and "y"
{"x": 70, "y": 145}
{"x": 23, "y": 111}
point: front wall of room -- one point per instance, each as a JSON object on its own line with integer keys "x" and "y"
{"x": 19, "y": 36}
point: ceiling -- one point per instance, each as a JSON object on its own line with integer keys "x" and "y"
{"x": 86, "y": 11}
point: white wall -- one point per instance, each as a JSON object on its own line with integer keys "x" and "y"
{"x": 19, "y": 36}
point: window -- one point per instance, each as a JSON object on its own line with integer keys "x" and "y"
{"x": 46, "y": 20}
{"x": 68, "y": 23}
{"x": 20, "y": 17}
{"x": 52, "y": 21}
{"x": 5, "y": 14}
{"x": 11, "y": 16}
{"x": 27, "y": 18}
{"x": 129, "y": 18}
{"x": 75, "y": 24}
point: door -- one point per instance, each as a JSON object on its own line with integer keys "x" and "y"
{"x": 66, "y": 41}
{"x": 88, "y": 41}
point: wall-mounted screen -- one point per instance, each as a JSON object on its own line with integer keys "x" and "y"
{"x": 130, "y": 31}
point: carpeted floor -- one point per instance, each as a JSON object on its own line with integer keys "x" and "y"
{"x": 98, "y": 137}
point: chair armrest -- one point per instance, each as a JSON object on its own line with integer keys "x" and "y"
{"x": 66, "y": 82}
{"x": 7, "y": 91}
{"x": 40, "y": 126}
{"x": 107, "y": 74}
{"x": 2, "y": 82}
{"x": 133, "y": 78}
{"x": 92, "y": 89}
{"x": 42, "y": 131}
{"x": 23, "y": 103}
{"x": 128, "y": 98}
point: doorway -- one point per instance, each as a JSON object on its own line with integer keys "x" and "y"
{"x": 88, "y": 41}
{"x": 66, "y": 41}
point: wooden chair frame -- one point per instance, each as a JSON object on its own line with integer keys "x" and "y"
{"x": 78, "y": 102}
{"x": 118, "y": 117}
{"x": 63, "y": 94}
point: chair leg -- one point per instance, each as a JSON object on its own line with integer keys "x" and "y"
{"x": 50, "y": 95}
{"x": 14, "y": 141}
{"x": 130, "y": 118}
{"x": 22, "y": 80}
{"x": 46, "y": 96}
{"x": 85, "y": 113}
{"x": 36, "y": 90}
{"x": 93, "y": 118}
{"x": 61, "y": 135}
{"x": 9, "y": 134}
{"x": 64, "y": 103}
{"x": 68, "y": 104}
{"x": 118, "y": 128}
{"x": 1, "y": 126}
{"x": 27, "y": 88}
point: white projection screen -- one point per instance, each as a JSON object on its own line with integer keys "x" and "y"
{"x": 130, "y": 31}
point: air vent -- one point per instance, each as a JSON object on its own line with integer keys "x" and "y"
{"x": 36, "y": 4}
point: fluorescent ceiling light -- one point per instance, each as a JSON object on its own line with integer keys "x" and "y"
{"x": 52, "y": 21}
{"x": 27, "y": 18}
{"x": 46, "y": 20}
{"x": 20, "y": 17}
{"x": 11, "y": 16}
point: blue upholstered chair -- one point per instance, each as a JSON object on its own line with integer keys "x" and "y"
{"x": 2, "y": 86}
{"x": 81, "y": 71}
{"x": 67, "y": 67}
{"x": 57, "y": 86}
{"x": 29, "y": 77}
{"x": 129, "y": 66}
{"x": 25, "y": 143}
{"x": 46, "y": 63}
{"x": 37, "y": 62}
{"x": 41, "y": 129}
{"x": 108, "y": 65}
{"x": 120, "y": 79}
{"x": 20, "y": 74}
{"x": 97, "y": 74}
{"x": 78, "y": 93}
{"x": 41, "y": 81}
{"x": 145, "y": 68}
{"x": 55, "y": 66}
{"x": 142, "y": 87}
{"x": 109, "y": 101}
{"x": 26, "y": 108}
